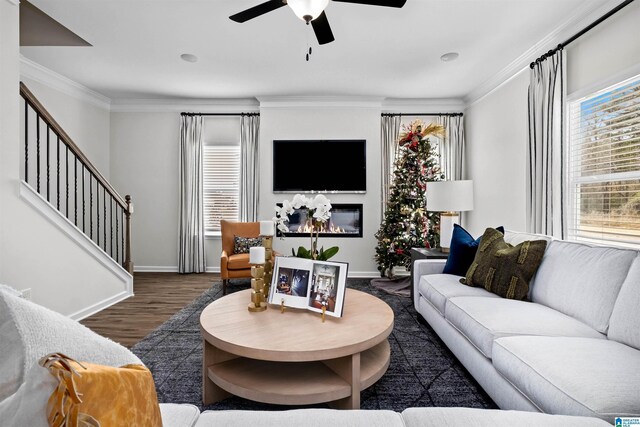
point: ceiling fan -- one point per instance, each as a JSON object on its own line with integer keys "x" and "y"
{"x": 310, "y": 11}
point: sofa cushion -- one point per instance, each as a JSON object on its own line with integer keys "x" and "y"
{"x": 238, "y": 262}
{"x": 301, "y": 417}
{"x": 624, "y": 325}
{"x": 482, "y": 320}
{"x": 516, "y": 237}
{"x": 438, "y": 288}
{"x": 30, "y": 331}
{"x": 179, "y": 415}
{"x": 569, "y": 375}
{"x": 582, "y": 281}
{"x": 503, "y": 269}
{"x": 462, "y": 250}
{"x": 454, "y": 417}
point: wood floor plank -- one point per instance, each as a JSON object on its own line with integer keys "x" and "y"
{"x": 157, "y": 297}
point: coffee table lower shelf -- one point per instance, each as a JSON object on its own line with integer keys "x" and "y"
{"x": 302, "y": 383}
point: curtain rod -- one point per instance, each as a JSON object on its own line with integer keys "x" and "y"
{"x": 219, "y": 114}
{"x": 581, "y": 32}
{"x": 420, "y": 114}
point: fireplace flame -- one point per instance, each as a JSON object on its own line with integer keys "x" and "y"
{"x": 331, "y": 229}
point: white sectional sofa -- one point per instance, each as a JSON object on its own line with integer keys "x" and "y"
{"x": 574, "y": 349}
{"x": 29, "y": 331}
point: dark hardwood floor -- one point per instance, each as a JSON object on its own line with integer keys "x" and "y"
{"x": 157, "y": 297}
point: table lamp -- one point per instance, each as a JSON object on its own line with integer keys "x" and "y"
{"x": 449, "y": 198}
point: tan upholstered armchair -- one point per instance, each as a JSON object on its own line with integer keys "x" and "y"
{"x": 235, "y": 266}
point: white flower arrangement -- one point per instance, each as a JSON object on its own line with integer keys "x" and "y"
{"x": 318, "y": 212}
{"x": 318, "y": 208}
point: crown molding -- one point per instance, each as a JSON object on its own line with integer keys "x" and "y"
{"x": 367, "y": 102}
{"x": 580, "y": 18}
{"x": 159, "y": 105}
{"x": 50, "y": 78}
{"x": 423, "y": 105}
{"x": 14, "y": 2}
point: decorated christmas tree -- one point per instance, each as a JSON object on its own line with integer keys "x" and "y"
{"x": 406, "y": 223}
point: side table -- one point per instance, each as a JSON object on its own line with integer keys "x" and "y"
{"x": 424, "y": 253}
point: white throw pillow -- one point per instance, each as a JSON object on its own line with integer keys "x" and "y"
{"x": 30, "y": 331}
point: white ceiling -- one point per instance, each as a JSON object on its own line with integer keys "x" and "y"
{"x": 381, "y": 52}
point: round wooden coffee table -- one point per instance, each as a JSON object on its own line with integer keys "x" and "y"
{"x": 292, "y": 358}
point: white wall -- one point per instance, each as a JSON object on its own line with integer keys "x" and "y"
{"x": 86, "y": 123}
{"x": 144, "y": 164}
{"x": 337, "y": 122}
{"x": 496, "y": 136}
{"x": 34, "y": 253}
{"x": 609, "y": 51}
{"x": 496, "y": 126}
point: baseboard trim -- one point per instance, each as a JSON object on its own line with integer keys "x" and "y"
{"x": 101, "y": 305}
{"x": 166, "y": 269}
{"x": 363, "y": 274}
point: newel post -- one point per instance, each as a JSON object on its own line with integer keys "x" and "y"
{"x": 128, "y": 264}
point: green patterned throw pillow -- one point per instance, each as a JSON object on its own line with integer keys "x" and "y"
{"x": 241, "y": 244}
{"x": 504, "y": 269}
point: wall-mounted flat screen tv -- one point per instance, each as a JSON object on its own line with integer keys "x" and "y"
{"x": 320, "y": 166}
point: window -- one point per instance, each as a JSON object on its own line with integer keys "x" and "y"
{"x": 604, "y": 166}
{"x": 221, "y": 185}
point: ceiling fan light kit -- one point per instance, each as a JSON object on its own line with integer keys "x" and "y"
{"x": 307, "y": 10}
{"x": 310, "y": 11}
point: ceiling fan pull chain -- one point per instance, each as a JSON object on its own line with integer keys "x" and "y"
{"x": 308, "y": 53}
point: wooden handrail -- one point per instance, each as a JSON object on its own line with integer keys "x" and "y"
{"x": 49, "y": 120}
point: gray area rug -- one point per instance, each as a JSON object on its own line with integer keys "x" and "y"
{"x": 422, "y": 372}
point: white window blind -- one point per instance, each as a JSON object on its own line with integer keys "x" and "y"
{"x": 604, "y": 166}
{"x": 221, "y": 184}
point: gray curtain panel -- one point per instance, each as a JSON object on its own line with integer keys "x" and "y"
{"x": 389, "y": 137}
{"x": 451, "y": 147}
{"x": 249, "y": 171}
{"x": 191, "y": 256}
{"x": 545, "y": 166}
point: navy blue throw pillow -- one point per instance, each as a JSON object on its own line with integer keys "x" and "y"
{"x": 462, "y": 251}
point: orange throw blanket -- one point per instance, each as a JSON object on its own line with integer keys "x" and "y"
{"x": 97, "y": 395}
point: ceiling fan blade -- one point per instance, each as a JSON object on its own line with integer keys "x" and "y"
{"x": 387, "y": 3}
{"x": 322, "y": 29}
{"x": 258, "y": 10}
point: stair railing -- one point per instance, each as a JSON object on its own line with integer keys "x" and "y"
{"x": 77, "y": 189}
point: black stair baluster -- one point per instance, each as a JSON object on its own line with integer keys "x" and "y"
{"x": 66, "y": 173}
{"x": 111, "y": 228}
{"x": 75, "y": 188}
{"x": 48, "y": 163}
{"x": 91, "y": 206}
{"x": 84, "y": 213}
{"x": 117, "y": 221}
{"x": 38, "y": 153}
{"x": 58, "y": 174}
{"x": 104, "y": 229}
{"x": 97, "y": 212}
{"x": 26, "y": 141}
{"x": 122, "y": 239}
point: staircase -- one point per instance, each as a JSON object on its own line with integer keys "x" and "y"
{"x": 56, "y": 169}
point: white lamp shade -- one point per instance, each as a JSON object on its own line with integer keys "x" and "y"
{"x": 312, "y": 8}
{"x": 450, "y": 196}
